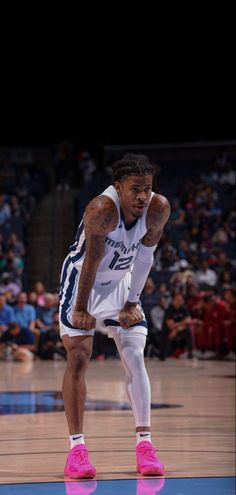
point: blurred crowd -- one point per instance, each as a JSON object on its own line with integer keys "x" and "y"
{"x": 189, "y": 297}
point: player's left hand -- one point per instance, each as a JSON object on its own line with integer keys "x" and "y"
{"x": 130, "y": 315}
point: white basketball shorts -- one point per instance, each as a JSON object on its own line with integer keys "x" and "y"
{"x": 105, "y": 303}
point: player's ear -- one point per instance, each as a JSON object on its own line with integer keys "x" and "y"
{"x": 117, "y": 186}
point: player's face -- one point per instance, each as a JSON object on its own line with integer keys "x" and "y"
{"x": 134, "y": 194}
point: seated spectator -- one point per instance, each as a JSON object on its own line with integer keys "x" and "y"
{"x": 149, "y": 298}
{"x": 206, "y": 276}
{"x": 226, "y": 281}
{"x": 18, "y": 211}
{"x": 177, "y": 216}
{"x": 165, "y": 256}
{"x": 229, "y": 299}
{"x": 165, "y": 293}
{"x": 176, "y": 334}
{"x": 17, "y": 343}
{"x": 14, "y": 265}
{"x": 183, "y": 249}
{"x": 32, "y": 299}
{"x": 16, "y": 246}
{"x": 25, "y": 314}
{"x": 5, "y": 212}
{"x": 40, "y": 291}
{"x": 6, "y": 314}
{"x": 213, "y": 326}
{"x": 56, "y": 300}
{"x": 154, "y": 334}
{"x": 220, "y": 236}
{"x": 181, "y": 278}
{"x": 45, "y": 313}
{"x": 10, "y": 289}
{"x": 50, "y": 341}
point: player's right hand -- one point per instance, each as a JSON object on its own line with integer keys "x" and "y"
{"x": 83, "y": 320}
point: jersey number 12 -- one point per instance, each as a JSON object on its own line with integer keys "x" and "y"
{"x": 123, "y": 263}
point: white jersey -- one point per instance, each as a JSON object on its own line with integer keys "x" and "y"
{"x": 120, "y": 248}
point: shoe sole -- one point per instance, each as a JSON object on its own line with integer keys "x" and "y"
{"x": 151, "y": 471}
{"x": 88, "y": 474}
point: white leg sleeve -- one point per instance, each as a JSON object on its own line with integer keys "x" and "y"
{"x": 131, "y": 350}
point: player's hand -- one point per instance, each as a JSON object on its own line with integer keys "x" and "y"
{"x": 130, "y": 315}
{"x": 83, "y": 320}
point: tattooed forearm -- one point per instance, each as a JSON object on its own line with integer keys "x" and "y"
{"x": 87, "y": 278}
{"x": 100, "y": 218}
{"x": 95, "y": 245}
{"x": 157, "y": 216}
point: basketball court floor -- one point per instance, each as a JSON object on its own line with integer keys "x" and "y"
{"x": 193, "y": 428}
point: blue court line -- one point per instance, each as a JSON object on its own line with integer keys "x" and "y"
{"x": 28, "y": 402}
{"x": 144, "y": 486}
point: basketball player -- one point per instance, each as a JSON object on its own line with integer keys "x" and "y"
{"x": 101, "y": 281}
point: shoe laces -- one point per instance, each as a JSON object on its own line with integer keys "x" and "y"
{"x": 149, "y": 452}
{"x": 81, "y": 455}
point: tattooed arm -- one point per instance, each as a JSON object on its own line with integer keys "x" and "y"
{"x": 157, "y": 216}
{"x": 100, "y": 218}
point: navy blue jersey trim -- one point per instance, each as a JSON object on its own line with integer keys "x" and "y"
{"x": 80, "y": 229}
{"x": 63, "y": 277}
{"x": 67, "y": 300}
{"x": 131, "y": 225}
{"x": 114, "y": 323}
{"x": 79, "y": 255}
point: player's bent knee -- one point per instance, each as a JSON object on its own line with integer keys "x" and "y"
{"x": 79, "y": 350}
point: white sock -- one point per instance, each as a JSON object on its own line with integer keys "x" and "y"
{"x": 76, "y": 439}
{"x": 143, "y": 435}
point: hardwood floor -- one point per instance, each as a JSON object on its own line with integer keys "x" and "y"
{"x": 193, "y": 419}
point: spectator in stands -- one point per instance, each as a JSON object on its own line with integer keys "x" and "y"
{"x": 206, "y": 276}
{"x": 183, "y": 249}
{"x": 176, "y": 334}
{"x": 229, "y": 299}
{"x": 228, "y": 176}
{"x": 5, "y": 212}
{"x": 50, "y": 341}
{"x": 177, "y": 216}
{"x": 45, "y": 313}
{"x": 40, "y": 291}
{"x": 32, "y": 299}
{"x": 18, "y": 211}
{"x": 180, "y": 279}
{"x": 14, "y": 265}
{"x": 164, "y": 293}
{"x": 25, "y": 314}
{"x": 226, "y": 281}
{"x": 9, "y": 288}
{"x": 149, "y": 298}
{"x": 165, "y": 256}
{"x": 6, "y": 314}
{"x": 17, "y": 343}
{"x": 16, "y": 246}
{"x": 220, "y": 236}
{"x": 154, "y": 334}
{"x": 215, "y": 315}
{"x": 87, "y": 166}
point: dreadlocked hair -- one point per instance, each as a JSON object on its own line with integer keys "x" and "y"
{"x": 131, "y": 164}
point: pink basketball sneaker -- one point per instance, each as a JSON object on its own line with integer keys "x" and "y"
{"x": 147, "y": 460}
{"x": 77, "y": 463}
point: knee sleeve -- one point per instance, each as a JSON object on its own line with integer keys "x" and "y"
{"x": 131, "y": 350}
